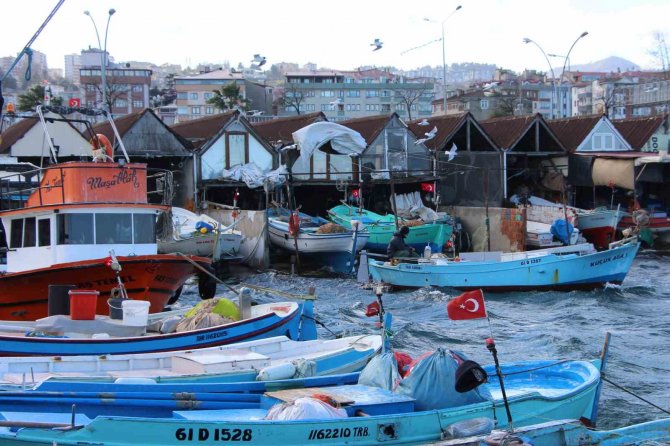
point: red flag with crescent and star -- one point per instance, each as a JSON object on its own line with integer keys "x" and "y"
{"x": 469, "y": 305}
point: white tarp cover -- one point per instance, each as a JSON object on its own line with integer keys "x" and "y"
{"x": 342, "y": 139}
{"x": 411, "y": 206}
{"x": 253, "y": 176}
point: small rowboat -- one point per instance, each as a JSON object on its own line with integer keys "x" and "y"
{"x": 267, "y": 320}
{"x": 537, "y": 391}
{"x": 264, "y": 359}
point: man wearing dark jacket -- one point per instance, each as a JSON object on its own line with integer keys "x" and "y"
{"x": 397, "y": 246}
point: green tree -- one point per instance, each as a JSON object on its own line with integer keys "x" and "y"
{"x": 34, "y": 97}
{"x": 228, "y": 97}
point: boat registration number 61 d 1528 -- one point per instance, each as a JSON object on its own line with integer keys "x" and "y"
{"x": 204, "y": 434}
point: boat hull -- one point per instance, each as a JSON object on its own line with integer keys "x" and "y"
{"x": 203, "y": 245}
{"x": 556, "y": 272}
{"x": 528, "y": 403}
{"x": 154, "y": 278}
{"x": 285, "y": 321}
{"x": 599, "y": 226}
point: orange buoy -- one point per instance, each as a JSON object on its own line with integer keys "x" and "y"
{"x": 100, "y": 141}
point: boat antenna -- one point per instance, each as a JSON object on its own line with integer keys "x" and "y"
{"x": 385, "y": 319}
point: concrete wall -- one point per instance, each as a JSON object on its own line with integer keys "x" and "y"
{"x": 254, "y": 248}
{"x": 507, "y": 227}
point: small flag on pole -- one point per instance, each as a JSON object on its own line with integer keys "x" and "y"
{"x": 372, "y": 309}
{"x": 469, "y": 305}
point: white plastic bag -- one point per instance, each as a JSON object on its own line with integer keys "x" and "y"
{"x": 305, "y": 409}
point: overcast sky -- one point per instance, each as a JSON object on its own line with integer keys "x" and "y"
{"x": 338, "y": 34}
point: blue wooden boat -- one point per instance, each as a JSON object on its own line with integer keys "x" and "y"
{"x": 286, "y": 318}
{"x": 571, "y": 433}
{"x": 382, "y": 227}
{"x": 264, "y": 359}
{"x": 336, "y": 250}
{"x": 564, "y": 268}
{"x": 537, "y": 391}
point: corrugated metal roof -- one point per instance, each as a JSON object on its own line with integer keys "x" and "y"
{"x": 369, "y": 127}
{"x": 198, "y": 131}
{"x": 280, "y": 131}
{"x": 447, "y": 126}
{"x": 572, "y": 131}
{"x": 15, "y": 132}
{"x": 637, "y": 131}
{"x": 506, "y": 131}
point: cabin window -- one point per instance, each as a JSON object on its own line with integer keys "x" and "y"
{"x": 236, "y": 149}
{"x": 397, "y": 153}
{"x": 17, "y": 233}
{"x": 29, "y": 232}
{"x": 75, "y": 229}
{"x": 44, "y": 232}
{"x": 144, "y": 228}
{"x": 113, "y": 229}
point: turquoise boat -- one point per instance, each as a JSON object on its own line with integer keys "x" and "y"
{"x": 565, "y": 268}
{"x": 571, "y": 433}
{"x": 537, "y": 391}
{"x": 382, "y": 227}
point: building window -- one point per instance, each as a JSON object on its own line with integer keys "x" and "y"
{"x": 182, "y": 95}
{"x": 354, "y": 93}
{"x": 193, "y": 96}
{"x": 327, "y": 94}
{"x": 209, "y": 110}
{"x": 138, "y": 88}
{"x": 182, "y": 110}
{"x": 484, "y": 104}
{"x": 207, "y": 95}
{"x": 195, "y": 110}
{"x": 138, "y": 104}
{"x": 120, "y": 103}
{"x": 90, "y": 87}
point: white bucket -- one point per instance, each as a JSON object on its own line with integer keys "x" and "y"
{"x": 135, "y": 312}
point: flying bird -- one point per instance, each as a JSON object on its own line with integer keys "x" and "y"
{"x": 377, "y": 44}
{"x": 337, "y": 101}
{"x": 429, "y": 135}
{"x": 452, "y": 152}
{"x": 258, "y": 61}
{"x": 424, "y": 121}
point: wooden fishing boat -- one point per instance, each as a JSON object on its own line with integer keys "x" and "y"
{"x": 563, "y": 268}
{"x": 599, "y": 225}
{"x": 382, "y": 227}
{"x": 537, "y": 391}
{"x": 571, "y": 433}
{"x": 336, "y": 250}
{"x": 186, "y": 236}
{"x": 286, "y": 318}
{"x": 264, "y": 359}
{"x": 66, "y": 228}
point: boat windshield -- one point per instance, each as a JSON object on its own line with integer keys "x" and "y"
{"x": 106, "y": 228}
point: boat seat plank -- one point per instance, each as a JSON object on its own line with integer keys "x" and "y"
{"x": 44, "y": 417}
{"x": 221, "y": 415}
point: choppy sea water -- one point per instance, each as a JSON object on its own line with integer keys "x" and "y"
{"x": 529, "y": 325}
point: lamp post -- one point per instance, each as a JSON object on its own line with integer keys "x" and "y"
{"x": 103, "y": 55}
{"x": 553, "y": 75}
{"x": 567, "y": 57}
{"x": 444, "y": 59}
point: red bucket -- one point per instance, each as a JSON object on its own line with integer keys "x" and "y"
{"x": 83, "y": 304}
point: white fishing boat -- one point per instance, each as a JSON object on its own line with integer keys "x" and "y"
{"x": 200, "y": 235}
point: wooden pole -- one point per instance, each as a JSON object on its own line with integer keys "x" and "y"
{"x": 292, "y": 206}
{"x": 486, "y": 203}
{"x": 393, "y": 203}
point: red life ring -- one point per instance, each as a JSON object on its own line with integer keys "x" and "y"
{"x": 294, "y": 224}
{"x": 101, "y": 141}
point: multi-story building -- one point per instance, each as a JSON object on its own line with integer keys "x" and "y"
{"x": 344, "y": 95}
{"x": 71, "y": 68}
{"x": 193, "y": 92}
{"x": 127, "y": 88}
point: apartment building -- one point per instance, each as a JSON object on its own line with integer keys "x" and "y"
{"x": 127, "y": 88}
{"x": 344, "y": 95}
{"x": 72, "y": 67}
{"x": 194, "y": 91}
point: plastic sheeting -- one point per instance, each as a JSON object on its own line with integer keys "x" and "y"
{"x": 343, "y": 140}
{"x": 305, "y": 409}
{"x": 381, "y": 371}
{"x": 411, "y": 206}
{"x": 253, "y": 176}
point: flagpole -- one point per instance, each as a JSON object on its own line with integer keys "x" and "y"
{"x": 491, "y": 346}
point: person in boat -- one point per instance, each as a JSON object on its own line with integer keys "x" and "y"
{"x": 397, "y": 246}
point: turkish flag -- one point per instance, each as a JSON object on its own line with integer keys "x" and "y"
{"x": 469, "y": 305}
{"x": 74, "y": 102}
{"x": 372, "y": 309}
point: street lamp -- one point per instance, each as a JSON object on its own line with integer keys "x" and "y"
{"x": 553, "y": 75}
{"x": 567, "y": 57}
{"x": 444, "y": 60}
{"x": 103, "y": 55}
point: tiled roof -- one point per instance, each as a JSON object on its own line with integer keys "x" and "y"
{"x": 447, "y": 125}
{"x": 637, "y": 131}
{"x": 369, "y": 127}
{"x": 280, "y": 130}
{"x": 506, "y": 131}
{"x": 572, "y": 131}
{"x": 12, "y": 134}
{"x": 201, "y": 130}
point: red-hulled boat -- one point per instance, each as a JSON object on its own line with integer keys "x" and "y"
{"x": 66, "y": 229}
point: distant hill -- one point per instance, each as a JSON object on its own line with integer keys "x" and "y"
{"x": 611, "y": 64}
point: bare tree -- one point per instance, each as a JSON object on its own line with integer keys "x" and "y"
{"x": 409, "y": 96}
{"x": 661, "y": 52}
{"x": 505, "y": 106}
{"x": 116, "y": 89}
{"x": 292, "y": 97}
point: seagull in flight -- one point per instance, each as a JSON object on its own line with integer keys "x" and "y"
{"x": 377, "y": 44}
{"x": 258, "y": 61}
{"x": 424, "y": 121}
{"x": 451, "y": 153}
{"x": 336, "y": 102}
{"x": 429, "y": 135}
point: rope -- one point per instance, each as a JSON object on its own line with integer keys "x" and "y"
{"x": 29, "y": 68}
{"x": 635, "y": 395}
{"x": 337, "y": 336}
